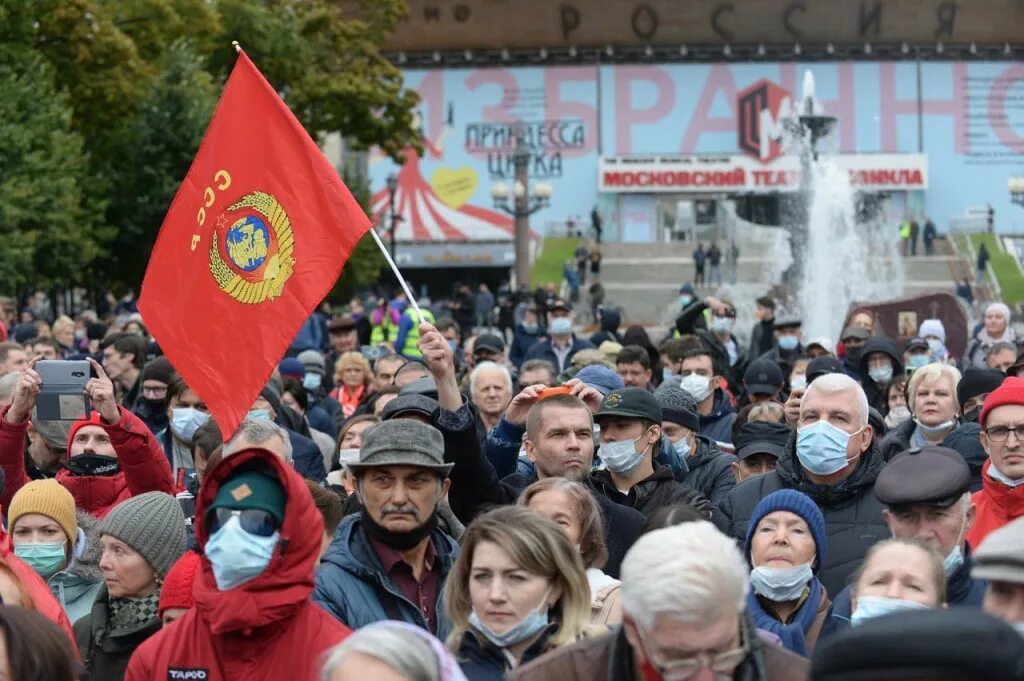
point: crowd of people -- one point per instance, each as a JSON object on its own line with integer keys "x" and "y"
{"x": 448, "y": 498}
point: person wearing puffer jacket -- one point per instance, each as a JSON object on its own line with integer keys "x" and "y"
{"x": 62, "y": 547}
{"x": 112, "y": 455}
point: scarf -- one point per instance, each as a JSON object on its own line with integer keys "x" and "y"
{"x": 792, "y": 635}
{"x": 350, "y": 399}
{"x": 128, "y": 614}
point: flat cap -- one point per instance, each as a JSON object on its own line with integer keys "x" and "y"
{"x": 421, "y": 386}
{"x": 763, "y": 376}
{"x": 632, "y": 403}
{"x": 402, "y": 442}
{"x": 962, "y": 644}
{"x": 1000, "y": 557}
{"x": 787, "y": 322}
{"x": 409, "y": 403}
{"x": 932, "y": 475}
{"x": 854, "y": 332}
{"x": 761, "y": 437}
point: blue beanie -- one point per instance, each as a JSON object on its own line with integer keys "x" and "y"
{"x": 799, "y": 504}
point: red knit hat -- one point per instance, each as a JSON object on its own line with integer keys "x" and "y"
{"x": 1010, "y": 392}
{"x": 94, "y": 420}
{"x": 177, "y": 588}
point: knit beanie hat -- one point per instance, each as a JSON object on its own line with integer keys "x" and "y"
{"x": 94, "y": 420}
{"x": 1002, "y": 308}
{"x": 49, "y": 498}
{"x": 152, "y": 524}
{"x": 677, "y": 406}
{"x": 290, "y": 367}
{"x": 933, "y": 327}
{"x": 177, "y": 589}
{"x": 251, "y": 489}
{"x": 312, "y": 361}
{"x": 1010, "y": 392}
{"x": 978, "y": 382}
{"x": 799, "y": 504}
{"x": 159, "y": 369}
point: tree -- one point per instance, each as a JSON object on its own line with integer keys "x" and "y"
{"x": 51, "y": 232}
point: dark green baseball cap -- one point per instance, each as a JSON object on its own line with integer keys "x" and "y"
{"x": 630, "y": 403}
{"x": 252, "y": 489}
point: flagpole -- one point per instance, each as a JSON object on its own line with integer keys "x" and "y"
{"x": 401, "y": 279}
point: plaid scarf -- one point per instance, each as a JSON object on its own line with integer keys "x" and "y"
{"x": 128, "y": 614}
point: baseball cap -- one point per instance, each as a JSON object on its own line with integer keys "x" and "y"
{"x": 489, "y": 342}
{"x": 761, "y": 437}
{"x": 634, "y": 403}
{"x": 763, "y": 377}
{"x": 601, "y": 378}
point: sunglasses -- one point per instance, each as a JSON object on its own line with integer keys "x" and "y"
{"x": 253, "y": 520}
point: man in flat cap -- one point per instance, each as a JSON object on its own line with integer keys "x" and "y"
{"x": 926, "y": 492}
{"x": 390, "y": 561}
{"x": 1000, "y": 561}
{"x": 928, "y": 645}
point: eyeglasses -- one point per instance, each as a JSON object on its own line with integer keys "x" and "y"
{"x": 253, "y": 520}
{"x": 155, "y": 392}
{"x": 683, "y": 668}
{"x": 1002, "y": 433}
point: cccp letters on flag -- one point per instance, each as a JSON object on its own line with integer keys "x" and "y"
{"x": 254, "y": 239}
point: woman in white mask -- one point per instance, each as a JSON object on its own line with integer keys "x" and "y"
{"x": 570, "y": 505}
{"x": 931, "y": 398}
{"x": 785, "y": 546}
{"x": 517, "y": 590}
{"x": 897, "y": 575}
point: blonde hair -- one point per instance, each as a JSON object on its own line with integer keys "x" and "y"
{"x": 350, "y": 359}
{"x": 539, "y": 547}
{"x": 938, "y": 574}
{"x": 932, "y": 373}
{"x": 62, "y": 322}
{"x": 592, "y": 545}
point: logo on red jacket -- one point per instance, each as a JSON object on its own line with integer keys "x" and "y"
{"x": 187, "y": 674}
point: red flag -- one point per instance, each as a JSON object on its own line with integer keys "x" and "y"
{"x": 254, "y": 239}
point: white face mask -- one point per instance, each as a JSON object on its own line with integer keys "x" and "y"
{"x": 698, "y": 386}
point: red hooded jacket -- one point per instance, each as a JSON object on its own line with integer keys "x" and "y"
{"x": 144, "y": 466}
{"x": 997, "y": 505}
{"x": 266, "y": 628}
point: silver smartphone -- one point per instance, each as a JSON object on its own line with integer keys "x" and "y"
{"x": 63, "y": 397}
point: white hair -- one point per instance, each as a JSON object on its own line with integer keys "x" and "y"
{"x": 258, "y": 432}
{"x": 830, "y": 384}
{"x": 690, "y": 572}
{"x": 404, "y": 651}
{"x": 489, "y": 365}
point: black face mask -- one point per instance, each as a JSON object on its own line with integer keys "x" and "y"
{"x": 972, "y": 415}
{"x": 853, "y": 355}
{"x": 400, "y": 541}
{"x": 93, "y": 464}
{"x": 156, "y": 406}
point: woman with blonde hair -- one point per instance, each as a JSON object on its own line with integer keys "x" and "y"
{"x": 517, "y": 590}
{"x": 931, "y": 398}
{"x": 570, "y": 505}
{"x": 352, "y": 375}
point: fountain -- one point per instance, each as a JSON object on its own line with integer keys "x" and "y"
{"x": 839, "y": 256}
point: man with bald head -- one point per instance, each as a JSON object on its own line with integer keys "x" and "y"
{"x": 835, "y": 460}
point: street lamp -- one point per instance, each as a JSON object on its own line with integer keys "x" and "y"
{"x": 395, "y": 218}
{"x": 1016, "y": 187}
{"x": 524, "y": 204}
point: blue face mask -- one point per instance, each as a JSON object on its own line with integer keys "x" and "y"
{"x": 666, "y": 373}
{"x": 258, "y": 414}
{"x": 682, "y": 448}
{"x": 881, "y": 375}
{"x": 238, "y": 556}
{"x": 46, "y": 558}
{"x": 312, "y": 381}
{"x": 531, "y": 625}
{"x": 917, "y": 361}
{"x": 869, "y": 607}
{"x": 781, "y": 584}
{"x": 560, "y": 326}
{"x": 685, "y": 300}
{"x": 721, "y": 324}
{"x": 530, "y": 327}
{"x": 821, "y": 447}
{"x": 621, "y": 457}
{"x": 788, "y": 343}
{"x": 186, "y": 420}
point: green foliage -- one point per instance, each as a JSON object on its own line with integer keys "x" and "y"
{"x": 550, "y": 260}
{"x": 49, "y": 231}
{"x": 121, "y": 92}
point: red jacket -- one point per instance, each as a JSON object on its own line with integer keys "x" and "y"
{"x": 997, "y": 505}
{"x": 266, "y": 628}
{"x": 42, "y": 597}
{"x": 144, "y": 466}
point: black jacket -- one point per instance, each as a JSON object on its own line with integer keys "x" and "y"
{"x": 481, "y": 660}
{"x": 853, "y": 515}
{"x": 710, "y": 471}
{"x": 966, "y": 439}
{"x": 877, "y": 396}
{"x": 475, "y": 487}
{"x": 762, "y": 339}
{"x": 897, "y": 439}
{"x": 657, "y": 490}
{"x": 610, "y": 321}
{"x": 104, "y": 654}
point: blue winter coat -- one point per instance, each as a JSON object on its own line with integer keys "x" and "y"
{"x": 718, "y": 424}
{"x": 543, "y": 350}
{"x": 352, "y": 587}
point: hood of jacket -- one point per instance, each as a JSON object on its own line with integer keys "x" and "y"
{"x": 287, "y": 583}
{"x": 351, "y": 550}
{"x": 722, "y": 406}
{"x": 880, "y": 344}
{"x": 95, "y": 494}
{"x": 843, "y": 493}
{"x": 86, "y": 563}
{"x": 610, "y": 320}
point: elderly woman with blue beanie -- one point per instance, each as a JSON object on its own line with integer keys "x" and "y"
{"x": 785, "y": 547}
